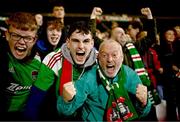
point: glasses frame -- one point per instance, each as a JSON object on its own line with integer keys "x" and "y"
{"x": 17, "y": 37}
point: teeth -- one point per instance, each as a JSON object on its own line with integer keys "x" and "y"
{"x": 80, "y": 52}
{"x": 20, "y": 48}
{"x": 54, "y": 37}
{"x": 110, "y": 66}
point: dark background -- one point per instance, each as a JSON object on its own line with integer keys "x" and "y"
{"x": 159, "y": 7}
{"x": 167, "y": 12}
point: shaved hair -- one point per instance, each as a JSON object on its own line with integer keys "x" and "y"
{"x": 109, "y": 42}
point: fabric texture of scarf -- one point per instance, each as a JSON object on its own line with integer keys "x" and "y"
{"x": 66, "y": 75}
{"x": 119, "y": 106}
{"x": 140, "y": 70}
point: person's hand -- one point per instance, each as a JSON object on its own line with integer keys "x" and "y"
{"x": 125, "y": 38}
{"x": 178, "y": 74}
{"x": 147, "y": 12}
{"x": 97, "y": 11}
{"x": 141, "y": 94}
{"x": 69, "y": 91}
{"x": 160, "y": 70}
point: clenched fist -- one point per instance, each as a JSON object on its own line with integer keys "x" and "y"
{"x": 69, "y": 91}
{"x": 97, "y": 11}
{"x": 125, "y": 38}
{"x": 141, "y": 94}
{"x": 147, "y": 12}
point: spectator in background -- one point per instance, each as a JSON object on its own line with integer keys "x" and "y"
{"x": 51, "y": 36}
{"x": 143, "y": 34}
{"x": 39, "y": 19}
{"x": 169, "y": 57}
{"x": 97, "y": 11}
{"x": 3, "y": 27}
{"x": 2, "y": 32}
{"x": 59, "y": 11}
{"x": 177, "y": 28}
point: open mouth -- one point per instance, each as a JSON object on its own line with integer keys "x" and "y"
{"x": 80, "y": 53}
{"x": 20, "y": 50}
{"x": 80, "y": 56}
{"x": 54, "y": 38}
{"x": 110, "y": 68}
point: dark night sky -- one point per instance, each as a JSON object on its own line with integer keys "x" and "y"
{"x": 166, "y": 10}
{"x": 158, "y": 7}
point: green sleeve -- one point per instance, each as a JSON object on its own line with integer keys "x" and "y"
{"x": 45, "y": 78}
{"x": 92, "y": 25}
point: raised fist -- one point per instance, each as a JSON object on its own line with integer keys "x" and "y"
{"x": 97, "y": 11}
{"x": 69, "y": 91}
{"x": 141, "y": 94}
{"x": 147, "y": 12}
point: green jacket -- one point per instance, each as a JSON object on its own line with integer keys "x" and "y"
{"x": 92, "y": 97}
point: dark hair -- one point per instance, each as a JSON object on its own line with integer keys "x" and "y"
{"x": 163, "y": 40}
{"x": 82, "y": 26}
{"x": 43, "y": 37}
{"x": 23, "y": 21}
{"x": 55, "y": 4}
{"x": 136, "y": 24}
{"x": 54, "y": 21}
{"x": 51, "y": 21}
{"x": 168, "y": 28}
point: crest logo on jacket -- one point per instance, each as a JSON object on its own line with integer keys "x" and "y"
{"x": 34, "y": 75}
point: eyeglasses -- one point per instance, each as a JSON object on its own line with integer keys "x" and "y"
{"x": 17, "y": 37}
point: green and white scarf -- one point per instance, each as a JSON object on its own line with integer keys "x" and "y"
{"x": 117, "y": 94}
{"x": 140, "y": 70}
{"x": 138, "y": 64}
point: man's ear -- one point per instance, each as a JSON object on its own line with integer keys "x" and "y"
{"x": 67, "y": 42}
{"x": 36, "y": 38}
{"x": 92, "y": 42}
{"x": 97, "y": 54}
{"x": 7, "y": 36}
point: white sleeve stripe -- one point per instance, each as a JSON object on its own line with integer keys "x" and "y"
{"x": 59, "y": 54}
